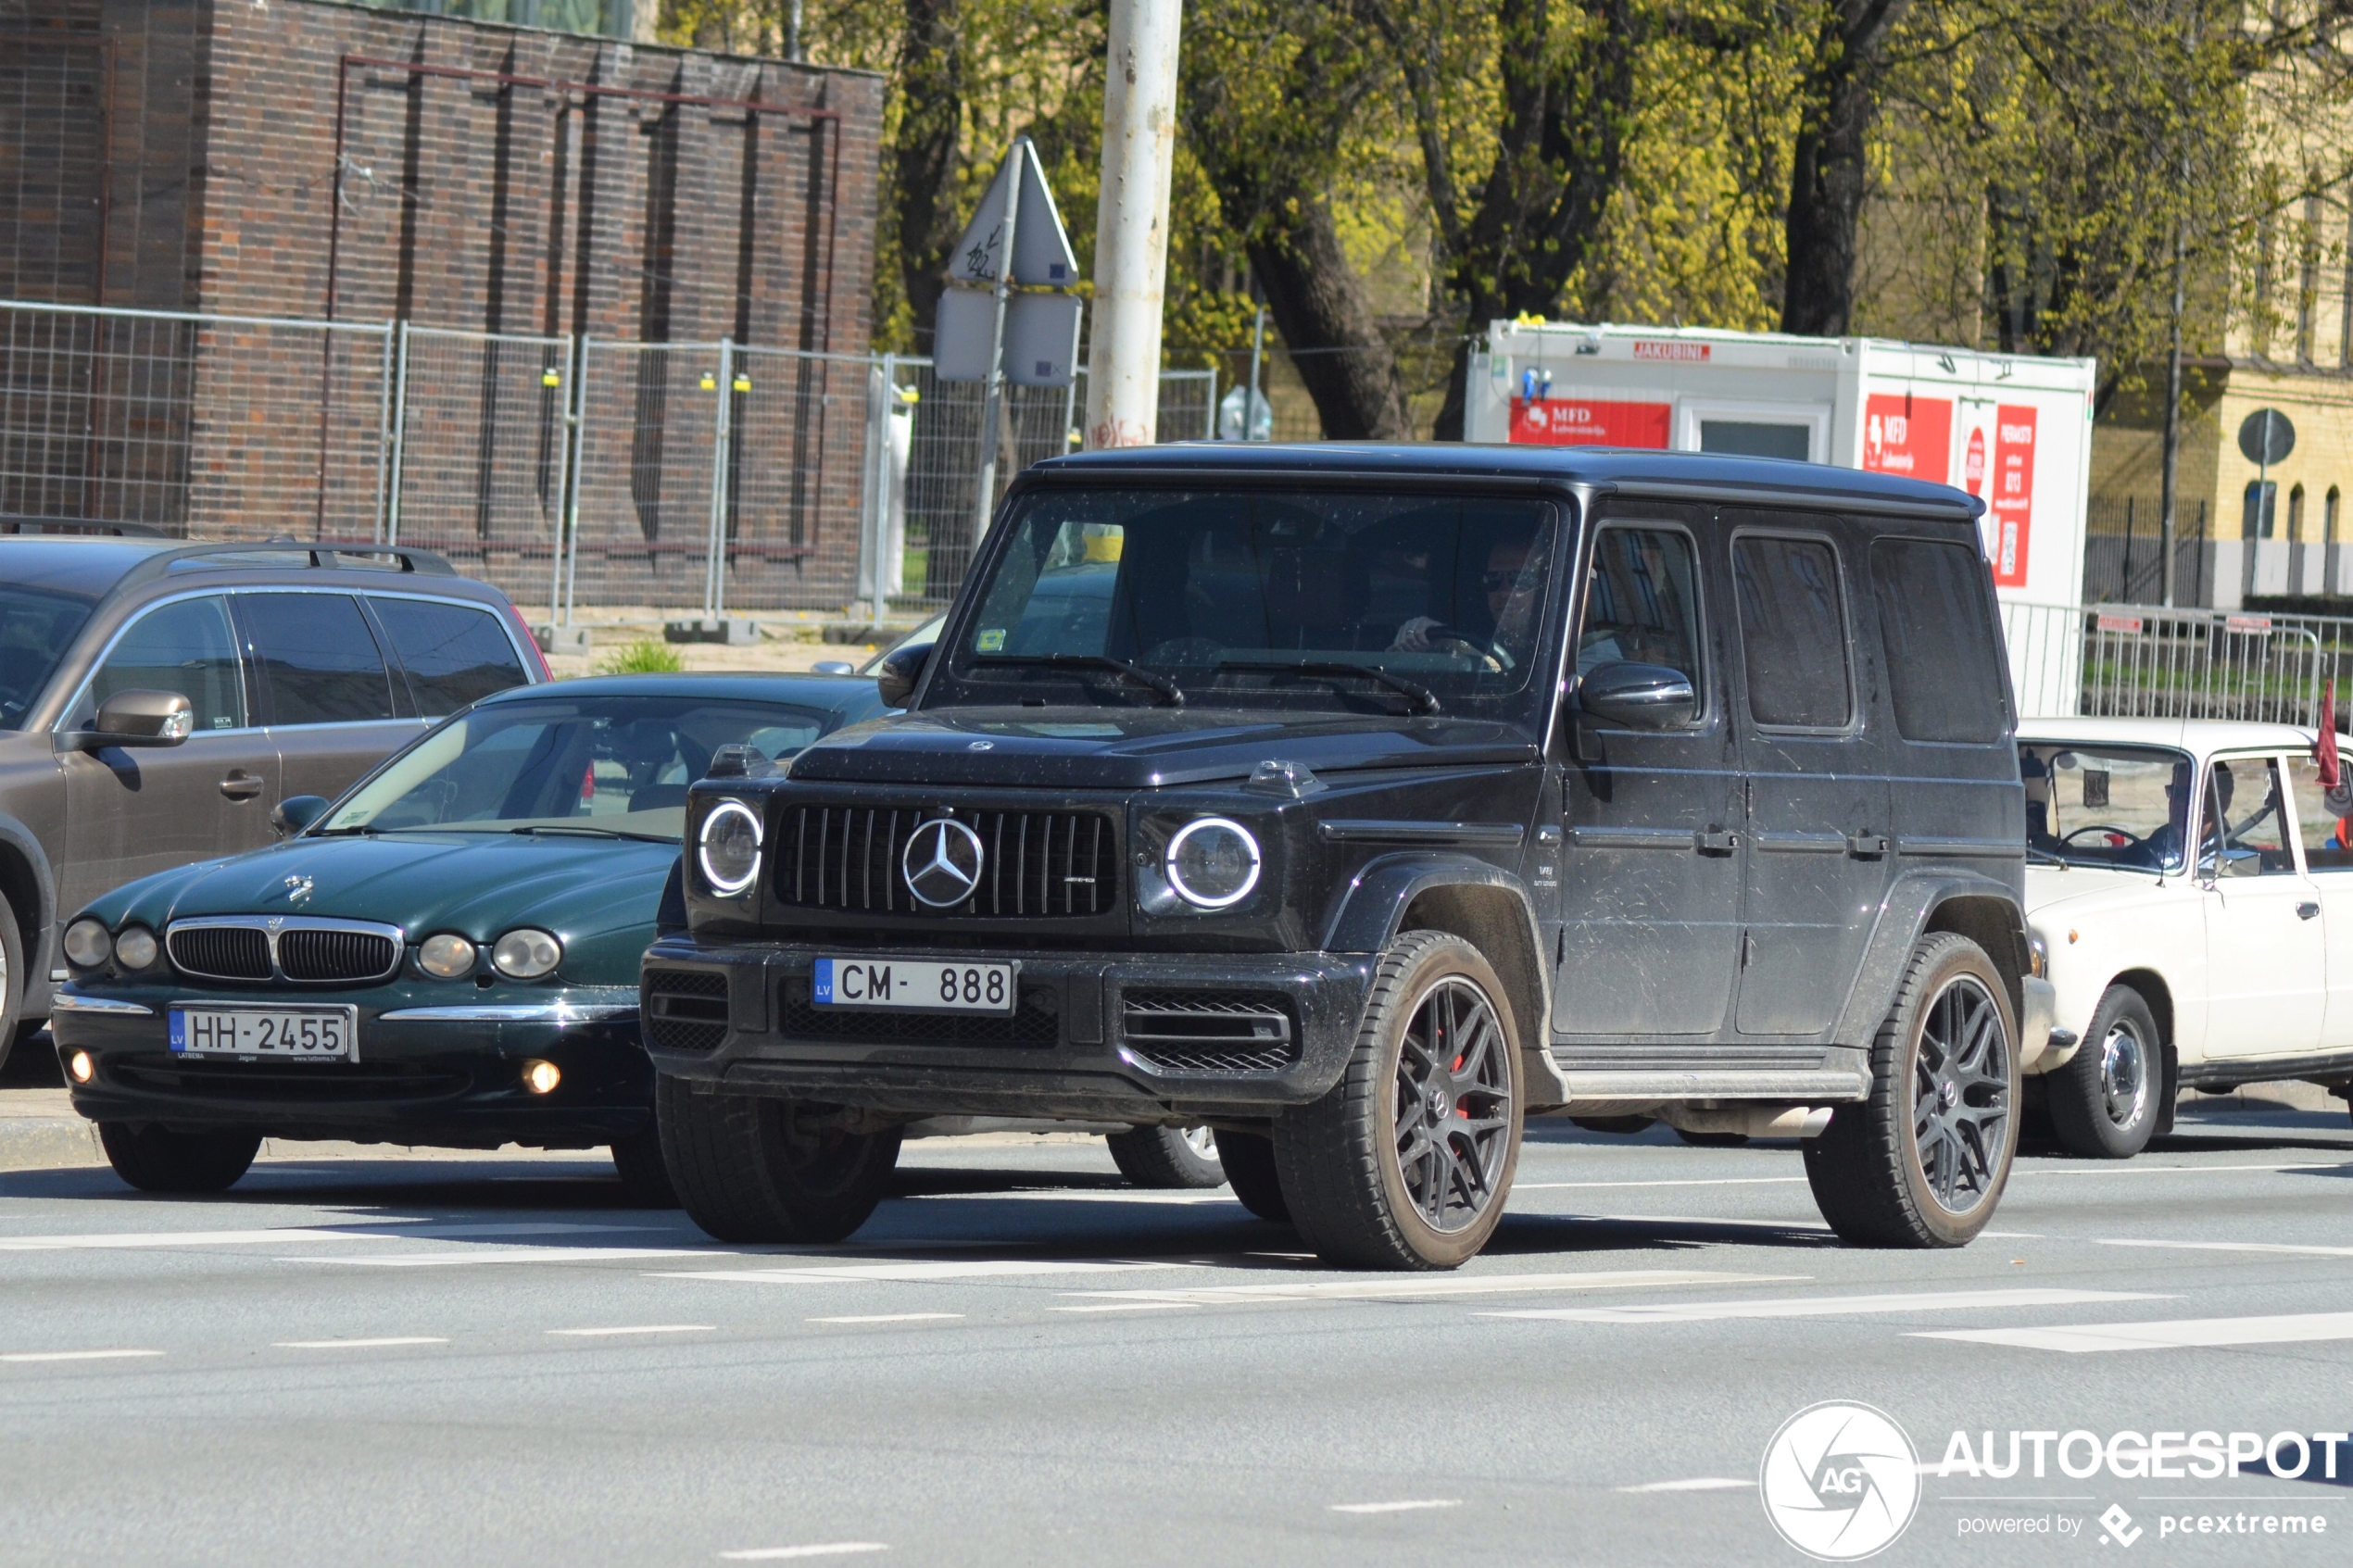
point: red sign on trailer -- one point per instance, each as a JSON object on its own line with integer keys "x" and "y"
{"x": 1579, "y": 421}
{"x": 1909, "y": 435}
{"x": 2013, "y": 500}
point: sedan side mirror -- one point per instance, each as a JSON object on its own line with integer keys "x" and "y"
{"x": 901, "y": 668}
{"x": 297, "y": 812}
{"x": 1641, "y": 697}
{"x": 139, "y": 718}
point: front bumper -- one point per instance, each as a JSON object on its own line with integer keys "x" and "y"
{"x": 2034, "y": 1028}
{"x": 436, "y": 1067}
{"x": 1088, "y": 1042}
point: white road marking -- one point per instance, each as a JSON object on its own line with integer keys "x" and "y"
{"x": 778, "y": 1553}
{"x": 29, "y": 1356}
{"x": 1425, "y": 1288}
{"x": 854, "y": 1273}
{"x": 1825, "y": 1305}
{"x": 343, "y": 1230}
{"x": 1687, "y": 1181}
{"x": 1085, "y": 1195}
{"x": 534, "y": 1255}
{"x": 2137, "y": 1168}
{"x": 2242, "y": 1246}
{"x": 894, "y": 1317}
{"x": 646, "y": 1328}
{"x": 1696, "y": 1484}
{"x": 1396, "y": 1507}
{"x": 2299, "y": 1329}
{"x": 1132, "y": 1307}
{"x": 384, "y": 1343}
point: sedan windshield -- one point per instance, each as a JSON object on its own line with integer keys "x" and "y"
{"x": 2124, "y": 806}
{"x": 1290, "y": 600}
{"x": 616, "y": 766}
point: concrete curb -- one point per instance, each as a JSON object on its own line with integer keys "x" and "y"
{"x": 48, "y": 1143}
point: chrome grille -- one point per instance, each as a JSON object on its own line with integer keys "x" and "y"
{"x": 219, "y": 952}
{"x": 294, "y": 949}
{"x": 1035, "y": 864}
{"x": 336, "y": 955}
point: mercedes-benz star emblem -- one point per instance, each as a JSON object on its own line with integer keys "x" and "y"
{"x": 942, "y": 863}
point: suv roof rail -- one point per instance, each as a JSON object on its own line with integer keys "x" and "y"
{"x": 322, "y": 555}
{"x": 12, "y": 524}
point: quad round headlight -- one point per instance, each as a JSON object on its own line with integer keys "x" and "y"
{"x": 525, "y": 954}
{"x": 136, "y": 948}
{"x": 1212, "y": 863}
{"x": 88, "y": 942}
{"x": 729, "y": 849}
{"x": 446, "y": 957}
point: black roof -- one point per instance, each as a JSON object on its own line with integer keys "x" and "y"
{"x": 1607, "y": 468}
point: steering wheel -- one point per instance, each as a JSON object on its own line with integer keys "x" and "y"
{"x": 2132, "y": 840}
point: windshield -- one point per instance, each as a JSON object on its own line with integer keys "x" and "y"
{"x": 1299, "y": 599}
{"x": 608, "y": 765}
{"x": 2125, "y": 806}
{"x": 35, "y": 631}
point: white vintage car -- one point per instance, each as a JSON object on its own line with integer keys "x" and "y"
{"x": 2194, "y": 895}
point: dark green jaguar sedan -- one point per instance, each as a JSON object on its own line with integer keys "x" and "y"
{"x": 446, "y": 955}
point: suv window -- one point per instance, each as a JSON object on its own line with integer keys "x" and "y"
{"x": 318, "y": 661}
{"x": 1932, "y": 621}
{"x": 35, "y": 631}
{"x": 2246, "y": 806}
{"x": 1643, "y": 602}
{"x": 2328, "y": 835}
{"x": 185, "y": 647}
{"x": 1792, "y": 632}
{"x": 454, "y": 654}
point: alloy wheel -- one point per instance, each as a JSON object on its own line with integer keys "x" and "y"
{"x": 1203, "y": 1141}
{"x": 1961, "y": 1096}
{"x": 2124, "y": 1078}
{"x": 1454, "y": 1105}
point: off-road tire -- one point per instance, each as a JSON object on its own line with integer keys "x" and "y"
{"x": 1248, "y": 1162}
{"x": 1163, "y": 1158}
{"x": 1865, "y": 1169}
{"x": 645, "y": 1178}
{"x": 159, "y": 1159}
{"x": 12, "y": 981}
{"x": 2084, "y": 1113}
{"x": 1340, "y": 1160}
{"x": 741, "y": 1178}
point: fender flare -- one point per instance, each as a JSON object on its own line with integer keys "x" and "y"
{"x": 41, "y": 922}
{"x": 1373, "y": 909}
{"x": 1904, "y": 914}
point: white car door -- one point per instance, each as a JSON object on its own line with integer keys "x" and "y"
{"x": 2328, "y": 861}
{"x": 2266, "y": 947}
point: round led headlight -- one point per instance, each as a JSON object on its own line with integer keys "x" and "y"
{"x": 446, "y": 957}
{"x": 525, "y": 954}
{"x": 729, "y": 850}
{"x": 136, "y": 948}
{"x": 1212, "y": 863}
{"x": 87, "y": 943}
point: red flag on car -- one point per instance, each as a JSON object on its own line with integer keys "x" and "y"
{"x": 2324, "y": 749}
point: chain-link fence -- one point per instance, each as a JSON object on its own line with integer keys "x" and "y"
{"x": 717, "y": 478}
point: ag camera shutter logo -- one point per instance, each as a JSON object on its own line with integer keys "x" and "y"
{"x": 1840, "y": 1481}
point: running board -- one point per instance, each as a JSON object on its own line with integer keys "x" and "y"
{"x": 1818, "y": 1086}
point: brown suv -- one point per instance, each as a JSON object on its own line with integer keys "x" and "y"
{"x": 300, "y": 667}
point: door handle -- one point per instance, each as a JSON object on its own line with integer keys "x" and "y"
{"x": 1715, "y": 841}
{"x": 239, "y": 785}
{"x": 1867, "y": 845}
{"x": 2307, "y": 910}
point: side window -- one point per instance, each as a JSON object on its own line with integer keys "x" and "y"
{"x": 453, "y": 653}
{"x": 1940, "y": 654}
{"x": 185, "y": 647}
{"x": 1792, "y": 632}
{"x": 318, "y": 661}
{"x": 1642, "y": 603}
{"x": 2246, "y": 810}
{"x": 2328, "y": 831}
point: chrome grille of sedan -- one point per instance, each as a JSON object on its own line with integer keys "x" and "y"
{"x": 219, "y": 952}
{"x": 336, "y": 955}
{"x": 294, "y": 949}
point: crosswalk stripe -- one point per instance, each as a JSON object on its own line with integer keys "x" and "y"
{"x": 1825, "y": 1305}
{"x": 2299, "y": 1328}
{"x": 345, "y": 1230}
{"x": 1425, "y": 1288}
{"x": 531, "y": 1255}
{"x": 976, "y": 1268}
{"x": 2297, "y": 1249}
{"x": 31, "y": 1356}
{"x": 1696, "y": 1484}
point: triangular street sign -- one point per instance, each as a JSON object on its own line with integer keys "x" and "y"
{"x": 1042, "y": 256}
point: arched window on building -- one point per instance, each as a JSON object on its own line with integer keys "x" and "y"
{"x": 2332, "y": 563}
{"x": 2296, "y": 514}
{"x": 2328, "y": 515}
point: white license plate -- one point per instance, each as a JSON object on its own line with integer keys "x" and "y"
{"x": 311, "y": 1033}
{"x": 913, "y": 986}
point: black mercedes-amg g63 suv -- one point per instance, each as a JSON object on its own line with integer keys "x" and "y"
{"x": 1359, "y": 802}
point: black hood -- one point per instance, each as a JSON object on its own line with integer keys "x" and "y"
{"x": 1140, "y": 748}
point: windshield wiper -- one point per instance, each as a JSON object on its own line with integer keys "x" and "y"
{"x": 1424, "y": 699}
{"x": 1137, "y": 673}
{"x": 2036, "y": 852}
{"x": 338, "y": 833}
{"x": 582, "y": 830}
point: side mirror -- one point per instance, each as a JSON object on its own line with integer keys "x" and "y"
{"x": 901, "y": 668}
{"x": 1641, "y": 697}
{"x": 2242, "y": 863}
{"x": 833, "y": 667}
{"x": 297, "y": 812}
{"x": 139, "y": 718}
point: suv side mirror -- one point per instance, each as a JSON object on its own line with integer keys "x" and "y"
{"x": 297, "y": 812}
{"x": 1641, "y": 697}
{"x": 901, "y": 668}
{"x": 139, "y": 718}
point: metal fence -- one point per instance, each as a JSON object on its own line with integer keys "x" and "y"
{"x": 716, "y": 477}
{"x": 2145, "y": 661}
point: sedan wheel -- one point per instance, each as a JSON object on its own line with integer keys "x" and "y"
{"x": 2107, "y": 1102}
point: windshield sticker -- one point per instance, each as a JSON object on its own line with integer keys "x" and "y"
{"x": 992, "y": 641}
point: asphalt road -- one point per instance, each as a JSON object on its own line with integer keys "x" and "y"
{"x": 1023, "y": 1360}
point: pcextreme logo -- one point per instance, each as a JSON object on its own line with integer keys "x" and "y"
{"x": 1840, "y": 1481}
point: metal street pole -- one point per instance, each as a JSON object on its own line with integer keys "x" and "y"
{"x": 992, "y": 407}
{"x": 1250, "y": 405}
{"x": 2168, "y": 468}
{"x": 1131, "y": 222}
